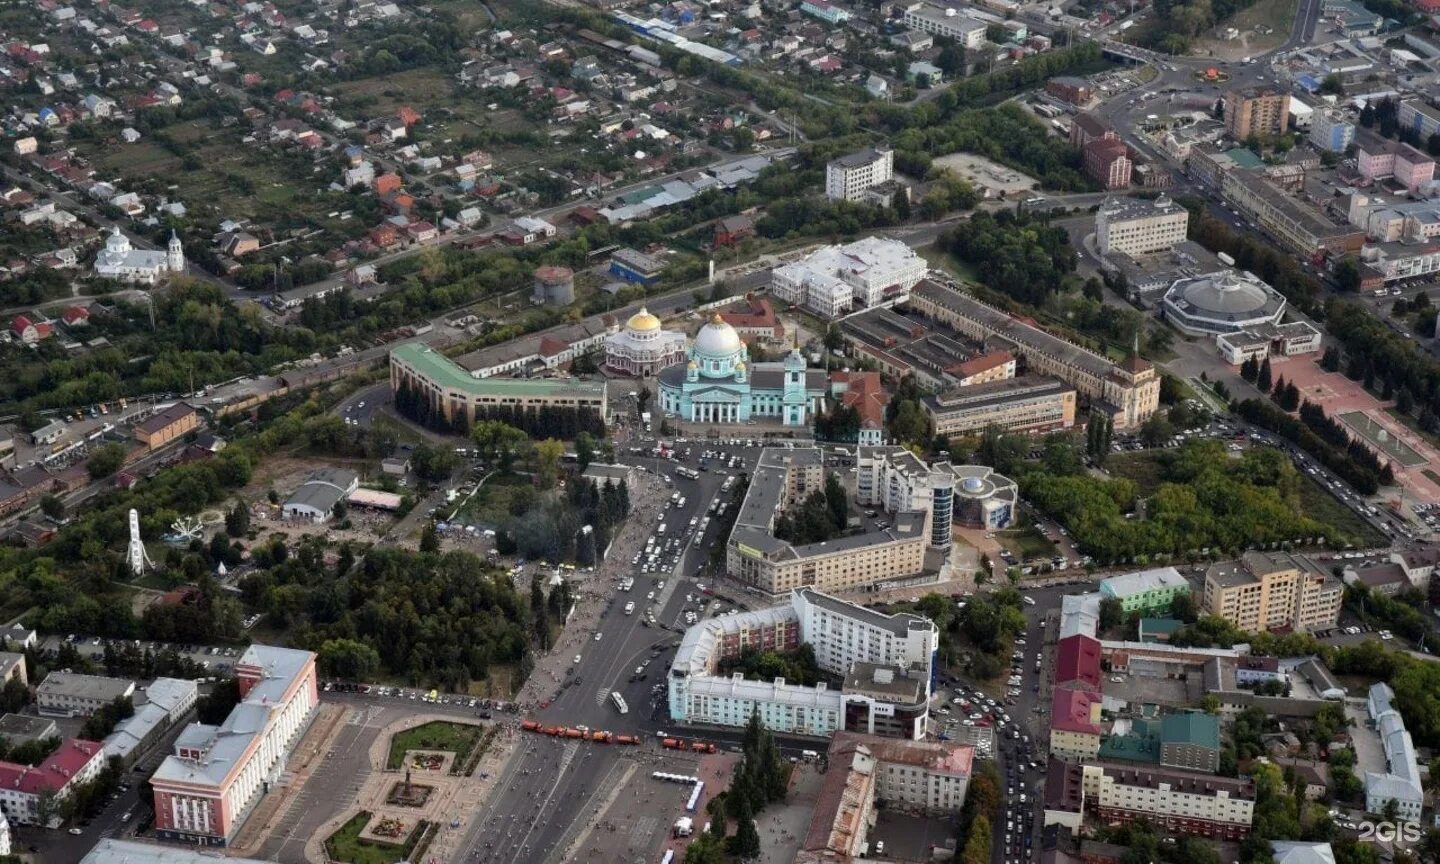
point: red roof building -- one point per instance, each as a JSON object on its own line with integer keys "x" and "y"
{"x": 756, "y": 318}
{"x": 1077, "y": 661}
{"x": 75, "y": 316}
{"x": 864, "y": 392}
{"x": 1075, "y": 711}
{"x": 387, "y": 183}
{"x": 77, "y": 761}
{"x": 994, "y": 366}
{"x": 1107, "y": 162}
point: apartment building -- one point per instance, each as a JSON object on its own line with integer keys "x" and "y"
{"x": 1256, "y": 111}
{"x": 1299, "y": 226}
{"x": 24, "y": 789}
{"x": 884, "y": 659}
{"x": 782, "y": 479}
{"x": 1178, "y": 802}
{"x": 1379, "y": 158}
{"x": 1401, "y": 781}
{"x": 849, "y": 177}
{"x": 1030, "y": 403}
{"x": 208, "y": 785}
{"x": 1273, "y": 591}
{"x": 1128, "y": 392}
{"x": 1075, "y": 722}
{"x": 454, "y": 393}
{"x": 897, "y": 481}
{"x": 1131, "y": 226}
{"x": 1419, "y": 117}
{"x": 1190, "y": 741}
{"x": 1332, "y": 131}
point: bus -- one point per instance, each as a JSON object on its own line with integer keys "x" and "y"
{"x": 619, "y": 702}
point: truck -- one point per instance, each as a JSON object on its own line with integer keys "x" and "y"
{"x": 630, "y": 608}
{"x": 530, "y": 726}
{"x": 626, "y": 739}
{"x": 684, "y": 826}
{"x": 672, "y": 744}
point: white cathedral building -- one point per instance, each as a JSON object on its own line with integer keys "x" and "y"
{"x": 643, "y": 347}
{"x": 123, "y": 263}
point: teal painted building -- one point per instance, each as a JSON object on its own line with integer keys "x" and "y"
{"x": 719, "y": 385}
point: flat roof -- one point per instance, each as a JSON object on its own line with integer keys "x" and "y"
{"x": 78, "y": 686}
{"x": 991, "y": 393}
{"x": 1154, "y": 579}
{"x": 109, "y": 851}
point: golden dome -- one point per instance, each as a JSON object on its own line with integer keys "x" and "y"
{"x": 643, "y": 321}
{"x": 716, "y": 319}
{"x": 692, "y": 365}
{"x": 740, "y": 366}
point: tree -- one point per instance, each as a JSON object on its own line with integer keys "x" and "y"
{"x": 237, "y": 520}
{"x": 105, "y": 461}
{"x": 584, "y": 449}
{"x": 429, "y": 538}
{"x": 1263, "y": 380}
{"x": 746, "y": 842}
{"x": 1250, "y": 369}
{"x": 1112, "y": 614}
{"x": 1156, "y": 430}
{"x": 348, "y": 659}
{"x": 547, "y": 461}
{"x": 706, "y": 849}
{"x": 1330, "y": 362}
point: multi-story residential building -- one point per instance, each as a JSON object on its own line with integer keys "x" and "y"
{"x": 926, "y": 776}
{"x": 1075, "y": 722}
{"x": 1138, "y": 227}
{"x": 1256, "y": 111}
{"x": 783, "y": 478}
{"x": 1273, "y": 591}
{"x": 1419, "y": 117}
{"x": 1330, "y": 130}
{"x": 1147, "y": 592}
{"x": 871, "y": 271}
{"x": 898, "y": 481}
{"x": 1107, "y": 162}
{"x": 825, "y": 11}
{"x": 454, "y": 393}
{"x": 1190, "y": 741}
{"x": 848, "y": 177}
{"x": 1401, "y": 783}
{"x": 885, "y": 660}
{"x": 968, "y": 32}
{"x": 1173, "y": 801}
{"x": 1030, "y": 403}
{"x": 70, "y": 694}
{"x": 206, "y": 788}
{"x": 24, "y": 790}
{"x": 1128, "y": 392}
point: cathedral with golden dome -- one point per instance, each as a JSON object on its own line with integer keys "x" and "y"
{"x": 717, "y": 383}
{"x": 642, "y": 347}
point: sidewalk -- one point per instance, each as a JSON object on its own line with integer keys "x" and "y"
{"x": 298, "y": 768}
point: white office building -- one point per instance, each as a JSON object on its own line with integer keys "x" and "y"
{"x": 849, "y": 177}
{"x": 896, "y": 480}
{"x": 1138, "y": 227}
{"x": 885, "y": 660}
{"x": 871, "y": 271}
{"x": 948, "y": 22}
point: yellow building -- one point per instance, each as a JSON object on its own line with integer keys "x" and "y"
{"x": 1273, "y": 591}
{"x": 1256, "y": 111}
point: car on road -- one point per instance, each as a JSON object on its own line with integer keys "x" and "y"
{"x": 577, "y": 663}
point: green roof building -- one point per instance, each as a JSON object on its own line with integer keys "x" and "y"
{"x": 1191, "y": 741}
{"x": 452, "y": 391}
{"x": 1158, "y": 629}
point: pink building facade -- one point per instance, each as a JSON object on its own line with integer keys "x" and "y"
{"x": 216, "y": 774}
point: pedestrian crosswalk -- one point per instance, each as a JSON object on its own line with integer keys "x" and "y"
{"x": 601, "y": 695}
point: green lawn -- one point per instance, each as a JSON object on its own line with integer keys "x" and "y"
{"x": 1320, "y": 505}
{"x": 1144, "y": 468}
{"x": 491, "y": 505}
{"x": 457, "y": 738}
{"x": 346, "y": 846}
{"x": 1026, "y": 543}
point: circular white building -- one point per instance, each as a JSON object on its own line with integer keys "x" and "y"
{"x": 983, "y": 499}
{"x": 1223, "y": 302}
{"x": 642, "y": 347}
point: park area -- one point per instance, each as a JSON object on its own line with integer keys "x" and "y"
{"x": 1263, "y": 26}
{"x": 458, "y": 738}
{"x": 349, "y": 846}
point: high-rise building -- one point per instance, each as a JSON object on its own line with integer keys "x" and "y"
{"x": 1273, "y": 591}
{"x": 848, "y": 177}
{"x": 1256, "y": 111}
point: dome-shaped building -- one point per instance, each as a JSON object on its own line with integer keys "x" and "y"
{"x": 642, "y": 347}
{"x": 121, "y": 261}
{"x": 1222, "y": 302}
{"x": 983, "y": 499}
{"x": 719, "y": 384}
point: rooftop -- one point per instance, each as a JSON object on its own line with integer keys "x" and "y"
{"x": 77, "y": 686}
{"x": 931, "y": 756}
{"x": 1155, "y": 579}
{"x": 445, "y": 372}
{"x": 161, "y": 419}
{"x": 109, "y": 851}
